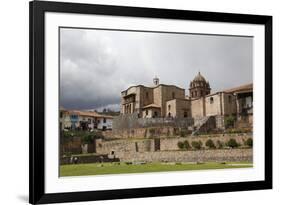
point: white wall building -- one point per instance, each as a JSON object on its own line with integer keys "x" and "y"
{"x": 85, "y": 120}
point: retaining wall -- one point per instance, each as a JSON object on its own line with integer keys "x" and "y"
{"x": 221, "y": 155}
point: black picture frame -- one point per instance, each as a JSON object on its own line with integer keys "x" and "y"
{"x": 37, "y": 10}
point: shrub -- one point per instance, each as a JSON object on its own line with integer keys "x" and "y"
{"x": 229, "y": 121}
{"x": 87, "y": 139}
{"x": 67, "y": 136}
{"x": 232, "y": 143}
{"x": 209, "y": 143}
{"x": 196, "y": 144}
{"x": 184, "y": 145}
{"x": 183, "y": 133}
{"x": 180, "y": 145}
{"x": 249, "y": 142}
{"x": 219, "y": 144}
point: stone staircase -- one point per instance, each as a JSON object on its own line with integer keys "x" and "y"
{"x": 204, "y": 124}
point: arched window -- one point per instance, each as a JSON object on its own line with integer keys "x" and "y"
{"x": 211, "y": 100}
{"x": 169, "y": 107}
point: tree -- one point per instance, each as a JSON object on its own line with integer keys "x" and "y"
{"x": 229, "y": 121}
{"x": 88, "y": 139}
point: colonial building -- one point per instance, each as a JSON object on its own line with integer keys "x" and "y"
{"x": 84, "y": 120}
{"x": 161, "y": 100}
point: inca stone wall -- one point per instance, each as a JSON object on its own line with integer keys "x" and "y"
{"x": 143, "y": 132}
{"x": 172, "y": 143}
{"x": 124, "y": 146}
{"x": 222, "y": 155}
{"x": 130, "y": 121}
{"x": 166, "y": 149}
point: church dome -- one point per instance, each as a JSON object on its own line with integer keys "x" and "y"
{"x": 199, "y": 87}
{"x": 199, "y": 78}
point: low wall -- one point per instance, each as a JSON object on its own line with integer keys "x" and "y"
{"x": 218, "y": 155}
{"x": 129, "y": 121}
{"x": 89, "y": 159}
{"x": 165, "y": 144}
{"x": 172, "y": 143}
{"x": 126, "y": 146}
{"x": 143, "y": 132}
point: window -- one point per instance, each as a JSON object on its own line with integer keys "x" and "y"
{"x": 169, "y": 107}
{"x": 104, "y": 120}
{"x": 169, "y": 114}
{"x": 195, "y": 95}
{"x": 229, "y": 99}
{"x": 155, "y": 114}
{"x": 146, "y": 112}
{"x": 173, "y": 95}
{"x": 211, "y": 100}
{"x": 201, "y": 92}
{"x": 185, "y": 114}
{"x": 146, "y": 95}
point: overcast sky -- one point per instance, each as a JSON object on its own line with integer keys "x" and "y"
{"x": 96, "y": 65}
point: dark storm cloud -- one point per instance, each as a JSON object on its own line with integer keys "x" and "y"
{"x": 97, "y": 65}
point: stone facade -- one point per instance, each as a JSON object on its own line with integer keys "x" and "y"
{"x": 222, "y": 155}
{"x": 145, "y": 101}
{"x": 170, "y": 101}
{"x": 165, "y": 144}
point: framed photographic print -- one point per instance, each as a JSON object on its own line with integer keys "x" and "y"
{"x": 140, "y": 102}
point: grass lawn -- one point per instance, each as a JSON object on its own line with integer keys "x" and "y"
{"x": 115, "y": 168}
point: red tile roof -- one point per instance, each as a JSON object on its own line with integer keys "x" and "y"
{"x": 240, "y": 89}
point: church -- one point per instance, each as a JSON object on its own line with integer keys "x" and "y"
{"x": 171, "y": 101}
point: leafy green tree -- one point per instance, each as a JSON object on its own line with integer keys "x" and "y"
{"x": 229, "y": 121}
